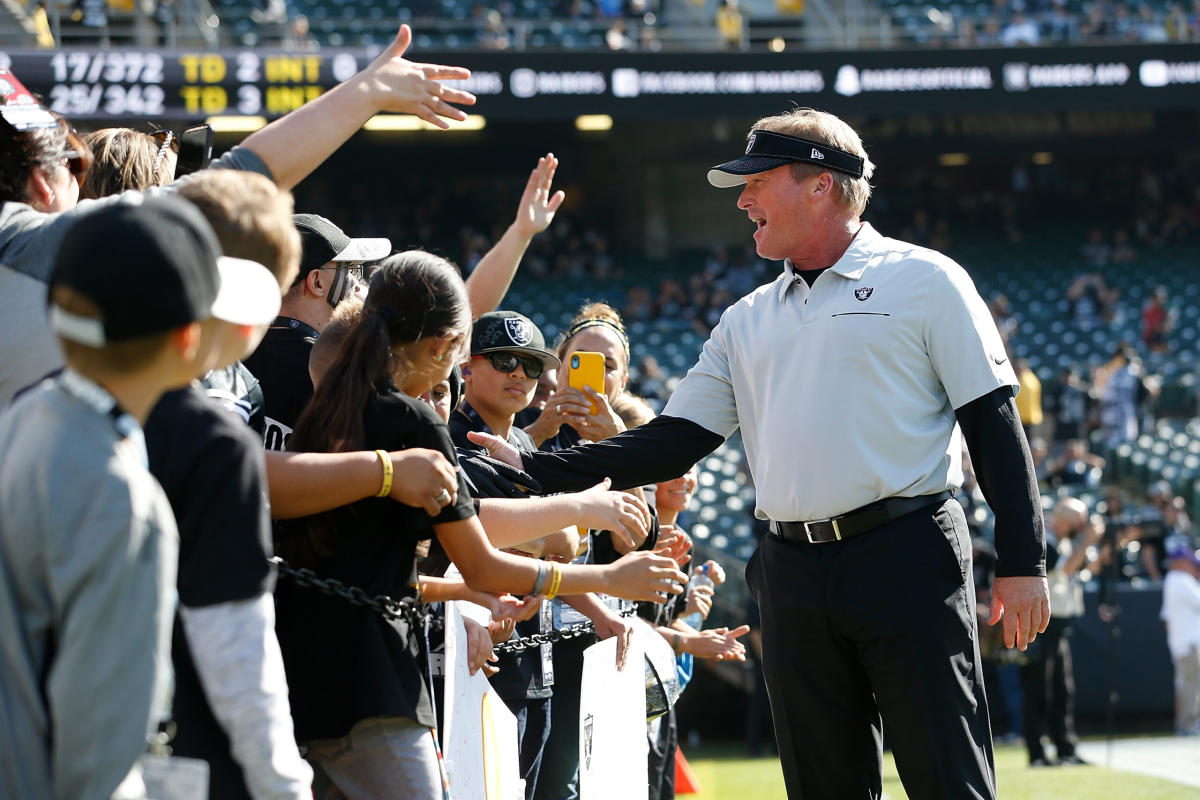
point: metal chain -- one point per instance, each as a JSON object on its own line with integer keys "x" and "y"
{"x": 409, "y": 609}
{"x": 561, "y": 634}
{"x": 415, "y": 613}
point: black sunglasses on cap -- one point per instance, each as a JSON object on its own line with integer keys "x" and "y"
{"x": 507, "y": 362}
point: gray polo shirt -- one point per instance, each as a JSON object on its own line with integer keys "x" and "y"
{"x": 88, "y": 553}
{"x": 845, "y": 393}
{"x": 29, "y": 240}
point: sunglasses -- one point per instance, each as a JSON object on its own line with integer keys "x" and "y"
{"x": 507, "y": 362}
{"x": 76, "y": 164}
{"x": 353, "y": 269}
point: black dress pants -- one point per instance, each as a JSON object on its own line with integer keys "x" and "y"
{"x": 879, "y": 625}
{"x": 1048, "y": 692}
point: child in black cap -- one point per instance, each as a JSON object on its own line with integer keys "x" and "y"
{"x": 88, "y": 543}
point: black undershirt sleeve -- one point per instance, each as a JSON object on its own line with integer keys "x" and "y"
{"x": 661, "y": 450}
{"x": 1004, "y": 468}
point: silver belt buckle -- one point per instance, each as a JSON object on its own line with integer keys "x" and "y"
{"x": 837, "y": 532}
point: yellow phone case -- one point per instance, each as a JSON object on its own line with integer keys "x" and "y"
{"x": 586, "y": 369}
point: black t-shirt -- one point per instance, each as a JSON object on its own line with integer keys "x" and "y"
{"x": 211, "y": 467}
{"x": 345, "y": 663}
{"x": 281, "y": 365}
{"x": 236, "y": 388}
{"x": 465, "y": 419}
{"x": 526, "y": 675}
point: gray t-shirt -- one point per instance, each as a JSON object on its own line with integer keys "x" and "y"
{"x": 88, "y": 554}
{"x": 29, "y": 240}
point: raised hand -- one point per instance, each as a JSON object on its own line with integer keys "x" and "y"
{"x": 538, "y": 206}
{"x": 407, "y": 87}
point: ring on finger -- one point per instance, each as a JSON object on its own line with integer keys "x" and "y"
{"x": 443, "y": 497}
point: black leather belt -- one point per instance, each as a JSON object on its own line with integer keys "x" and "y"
{"x": 852, "y": 523}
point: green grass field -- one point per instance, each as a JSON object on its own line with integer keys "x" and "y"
{"x": 724, "y": 775}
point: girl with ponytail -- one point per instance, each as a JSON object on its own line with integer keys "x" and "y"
{"x": 360, "y": 703}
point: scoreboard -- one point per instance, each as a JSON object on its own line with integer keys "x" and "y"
{"x": 83, "y": 84}
{"x": 114, "y": 84}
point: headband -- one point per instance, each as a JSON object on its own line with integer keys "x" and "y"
{"x": 592, "y": 322}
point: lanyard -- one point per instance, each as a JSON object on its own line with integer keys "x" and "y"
{"x": 97, "y": 398}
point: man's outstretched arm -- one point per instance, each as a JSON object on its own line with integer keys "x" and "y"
{"x": 661, "y": 450}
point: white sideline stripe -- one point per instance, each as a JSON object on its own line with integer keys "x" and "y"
{"x": 1173, "y": 758}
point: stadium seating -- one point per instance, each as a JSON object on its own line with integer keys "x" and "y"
{"x": 439, "y": 24}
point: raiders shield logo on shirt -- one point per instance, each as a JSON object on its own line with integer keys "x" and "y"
{"x": 863, "y": 293}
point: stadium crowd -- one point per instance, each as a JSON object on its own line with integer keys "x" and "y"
{"x": 140, "y": 608}
{"x": 616, "y": 24}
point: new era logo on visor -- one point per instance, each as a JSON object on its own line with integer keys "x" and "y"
{"x": 863, "y": 293}
{"x": 818, "y": 154}
{"x": 519, "y": 331}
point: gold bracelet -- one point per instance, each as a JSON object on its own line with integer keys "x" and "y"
{"x": 386, "y": 461}
{"x": 555, "y": 580}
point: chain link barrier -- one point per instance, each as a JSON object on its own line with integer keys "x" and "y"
{"x": 416, "y": 613}
{"x": 409, "y": 609}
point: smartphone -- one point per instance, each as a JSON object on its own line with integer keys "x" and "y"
{"x": 195, "y": 150}
{"x": 587, "y": 369}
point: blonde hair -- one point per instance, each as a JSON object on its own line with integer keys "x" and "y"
{"x": 125, "y": 159}
{"x": 251, "y": 216}
{"x": 825, "y": 128}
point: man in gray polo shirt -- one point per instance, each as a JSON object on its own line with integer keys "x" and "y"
{"x": 847, "y": 376}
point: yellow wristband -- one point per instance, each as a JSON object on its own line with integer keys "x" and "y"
{"x": 386, "y": 461}
{"x": 555, "y": 580}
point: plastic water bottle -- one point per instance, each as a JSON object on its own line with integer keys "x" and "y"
{"x": 700, "y": 578}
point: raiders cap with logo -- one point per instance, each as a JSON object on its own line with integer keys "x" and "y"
{"x": 766, "y": 150}
{"x": 510, "y": 332}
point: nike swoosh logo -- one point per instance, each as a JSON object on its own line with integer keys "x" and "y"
{"x": 999, "y": 361}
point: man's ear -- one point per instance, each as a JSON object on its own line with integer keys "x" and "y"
{"x": 186, "y": 340}
{"x": 38, "y": 189}
{"x": 824, "y": 184}
{"x": 315, "y": 283}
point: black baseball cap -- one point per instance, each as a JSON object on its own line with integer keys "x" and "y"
{"x": 766, "y": 150}
{"x": 150, "y": 267}
{"x": 324, "y": 242}
{"x": 510, "y": 332}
